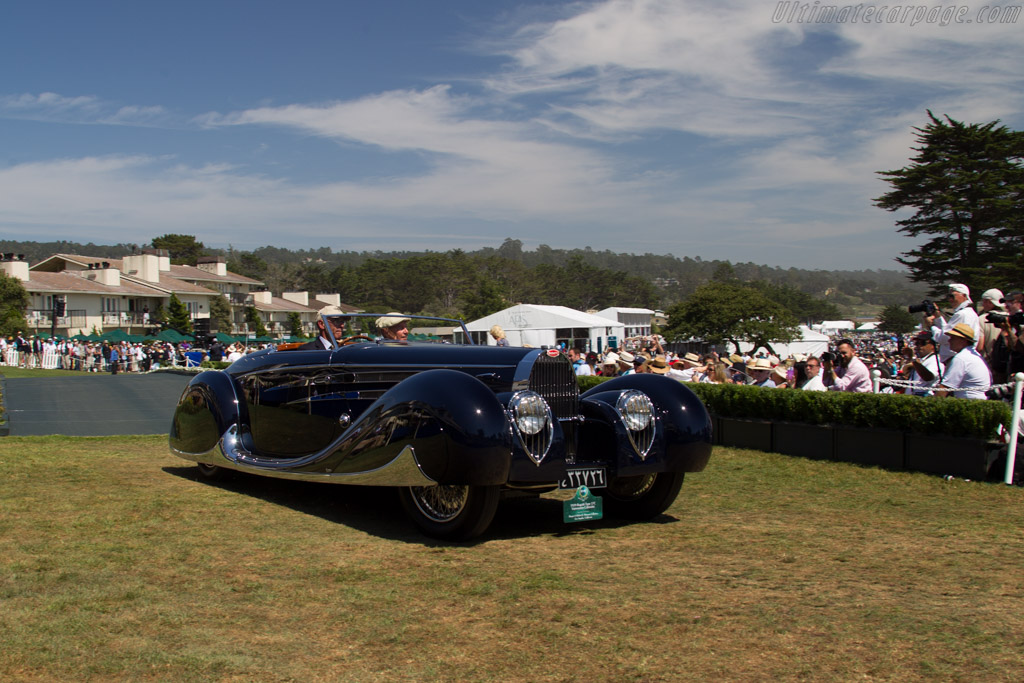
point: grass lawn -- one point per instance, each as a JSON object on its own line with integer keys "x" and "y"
{"x": 117, "y": 564}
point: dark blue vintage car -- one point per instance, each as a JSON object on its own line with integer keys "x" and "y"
{"x": 452, "y": 426}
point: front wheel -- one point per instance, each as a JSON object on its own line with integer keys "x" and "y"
{"x": 211, "y": 472}
{"x": 642, "y": 497}
{"x": 451, "y": 512}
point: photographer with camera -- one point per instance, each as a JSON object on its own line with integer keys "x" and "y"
{"x": 922, "y": 366}
{"x": 849, "y": 372}
{"x": 963, "y": 314}
{"x": 1010, "y": 337}
{"x": 991, "y": 345}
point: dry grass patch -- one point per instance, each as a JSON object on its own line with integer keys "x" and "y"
{"x": 119, "y": 565}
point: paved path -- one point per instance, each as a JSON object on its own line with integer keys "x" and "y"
{"x": 92, "y": 404}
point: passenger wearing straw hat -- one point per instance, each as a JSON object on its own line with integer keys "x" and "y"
{"x": 967, "y": 375}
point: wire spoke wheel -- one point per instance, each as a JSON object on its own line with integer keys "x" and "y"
{"x": 451, "y": 512}
{"x": 440, "y": 503}
{"x": 642, "y": 497}
{"x": 631, "y": 488}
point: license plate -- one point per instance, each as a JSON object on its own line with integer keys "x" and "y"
{"x": 591, "y": 477}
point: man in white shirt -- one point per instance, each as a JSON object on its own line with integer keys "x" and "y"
{"x": 579, "y": 366}
{"x": 813, "y": 370}
{"x": 924, "y": 369}
{"x": 684, "y": 368}
{"x": 967, "y": 375}
{"x": 964, "y": 313}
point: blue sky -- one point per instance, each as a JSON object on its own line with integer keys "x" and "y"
{"x": 694, "y": 128}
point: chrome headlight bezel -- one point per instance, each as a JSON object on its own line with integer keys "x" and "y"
{"x": 636, "y": 410}
{"x": 533, "y": 423}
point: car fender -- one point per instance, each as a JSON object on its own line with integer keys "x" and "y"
{"x": 684, "y": 433}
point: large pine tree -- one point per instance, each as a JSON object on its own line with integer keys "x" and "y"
{"x": 966, "y": 184}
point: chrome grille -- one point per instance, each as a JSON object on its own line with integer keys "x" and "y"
{"x": 554, "y": 379}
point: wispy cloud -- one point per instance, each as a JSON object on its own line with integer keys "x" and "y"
{"x": 698, "y": 127}
{"x": 81, "y": 109}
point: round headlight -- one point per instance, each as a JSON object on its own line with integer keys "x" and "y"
{"x": 531, "y": 413}
{"x": 636, "y": 410}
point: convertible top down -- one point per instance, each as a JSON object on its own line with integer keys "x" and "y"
{"x": 451, "y": 426}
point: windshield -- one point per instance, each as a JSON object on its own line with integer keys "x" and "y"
{"x": 393, "y": 328}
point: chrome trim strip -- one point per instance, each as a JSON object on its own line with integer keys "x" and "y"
{"x": 403, "y": 470}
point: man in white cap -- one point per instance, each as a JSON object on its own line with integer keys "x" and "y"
{"x": 991, "y": 300}
{"x": 967, "y": 375}
{"x": 960, "y": 296}
{"x": 336, "y": 319}
{"x": 394, "y": 326}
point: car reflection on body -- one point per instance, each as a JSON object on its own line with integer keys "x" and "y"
{"x": 452, "y": 426}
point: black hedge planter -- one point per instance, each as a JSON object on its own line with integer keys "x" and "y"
{"x": 870, "y": 447}
{"x": 805, "y": 440}
{"x": 753, "y": 434}
{"x": 968, "y": 458}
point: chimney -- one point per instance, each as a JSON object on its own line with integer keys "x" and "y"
{"x": 143, "y": 266}
{"x": 261, "y": 298}
{"x": 18, "y": 269}
{"x": 111, "y": 277}
{"x": 296, "y": 297}
{"x": 212, "y": 264}
{"x": 332, "y": 299}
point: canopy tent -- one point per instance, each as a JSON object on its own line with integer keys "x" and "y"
{"x": 810, "y": 343}
{"x": 225, "y": 338}
{"x": 537, "y": 325}
{"x": 118, "y": 336}
{"x": 174, "y": 337}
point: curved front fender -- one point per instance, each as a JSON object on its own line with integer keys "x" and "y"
{"x": 685, "y": 425}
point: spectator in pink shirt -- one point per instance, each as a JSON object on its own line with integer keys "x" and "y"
{"x": 851, "y": 374}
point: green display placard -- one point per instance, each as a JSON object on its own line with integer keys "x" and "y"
{"x": 582, "y": 507}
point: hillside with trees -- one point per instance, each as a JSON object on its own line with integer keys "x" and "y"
{"x": 473, "y": 284}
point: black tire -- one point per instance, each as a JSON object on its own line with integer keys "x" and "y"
{"x": 211, "y": 472}
{"x": 451, "y": 513}
{"x": 642, "y": 497}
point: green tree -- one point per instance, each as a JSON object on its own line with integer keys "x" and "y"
{"x": 803, "y": 306}
{"x": 178, "y": 316}
{"x": 897, "y": 319}
{"x": 295, "y": 324}
{"x": 966, "y": 187}
{"x": 220, "y": 314}
{"x": 721, "y": 312}
{"x": 252, "y": 317}
{"x": 183, "y": 249}
{"x": 14, "y": 301}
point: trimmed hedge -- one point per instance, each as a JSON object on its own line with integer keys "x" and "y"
{"x": 956, "y": 417}
{"x": 215, "y": 364}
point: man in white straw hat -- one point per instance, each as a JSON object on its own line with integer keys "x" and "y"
{"x": 967, "y": 375}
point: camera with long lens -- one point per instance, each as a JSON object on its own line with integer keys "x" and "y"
{"x": 927, "y": 307}
{"x": 997, "y": 318}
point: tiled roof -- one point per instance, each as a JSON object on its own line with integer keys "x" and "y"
{"x": 193, "y": 273}
{"x": 41, "y": 281}
{"x": 279, "y": 304}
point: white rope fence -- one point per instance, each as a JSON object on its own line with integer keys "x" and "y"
{"x": 1018, "y": 390}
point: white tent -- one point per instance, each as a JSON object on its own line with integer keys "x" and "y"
{"x": 833, "y": 326}
{"x": 869, "y": 326}
{"x": 810, "y": 343}
{"x": 536, "y": 325}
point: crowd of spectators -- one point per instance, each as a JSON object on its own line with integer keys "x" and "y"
{"x": 963, "y": 355}
{"x": 111, "y": 356}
